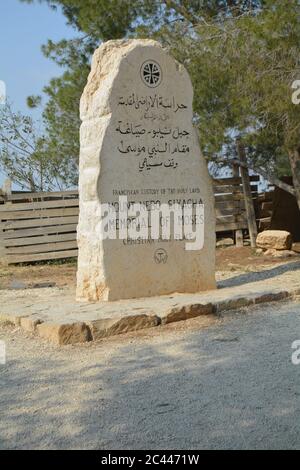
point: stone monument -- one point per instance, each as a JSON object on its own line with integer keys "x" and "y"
{"x": 138, "y": 142}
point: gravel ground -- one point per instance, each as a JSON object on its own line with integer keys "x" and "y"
{"x": 230, "y": 385}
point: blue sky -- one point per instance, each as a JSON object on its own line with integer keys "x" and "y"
{"x": 23, "y": 30}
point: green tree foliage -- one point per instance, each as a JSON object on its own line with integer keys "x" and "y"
{"x": 242, "y": 57}
{"x": 100, "y": 20}
{"x": 243, "y": 68}
{"x": 24, "y": 154}
{"x": 61, "y": 111}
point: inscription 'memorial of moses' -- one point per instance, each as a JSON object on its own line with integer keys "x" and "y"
{"x": 140, "y": 158}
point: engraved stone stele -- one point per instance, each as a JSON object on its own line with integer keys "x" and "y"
{"x": 137, "y": 140}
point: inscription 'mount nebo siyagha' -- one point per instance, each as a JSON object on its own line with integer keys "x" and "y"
{"x": 137, "y": 140}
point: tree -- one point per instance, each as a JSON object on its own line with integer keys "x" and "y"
{"x": 25, "y": 156}
{"x": 242, "y": 69}
{"x": 113, "y": 19}
{"x": 61, "y": 111}
{"x": 242, "y": 57}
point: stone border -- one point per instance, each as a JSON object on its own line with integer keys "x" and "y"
{"x": 82, "y": 332}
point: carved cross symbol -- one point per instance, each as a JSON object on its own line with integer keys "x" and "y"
{"x": 151, "y": 73}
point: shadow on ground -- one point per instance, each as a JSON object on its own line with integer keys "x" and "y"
{"x": 232, "y": 386}
{"x": 257, "y": 276}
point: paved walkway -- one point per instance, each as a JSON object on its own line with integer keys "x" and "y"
{"x": 53, "y": 313}
{"x": 230, "y": 386}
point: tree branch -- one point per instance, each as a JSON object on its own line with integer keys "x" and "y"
{"x": 180, "y": 10}
{"x": 277, "y": 182}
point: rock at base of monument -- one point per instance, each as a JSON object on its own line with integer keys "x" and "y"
{"x": 274, "y": 239}
{"x": 65, "y": 333}
{"x": 114, "y": 326}
{"x": 185, "y": 312}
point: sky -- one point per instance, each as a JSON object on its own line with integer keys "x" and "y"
{"x": 23, "y": 29}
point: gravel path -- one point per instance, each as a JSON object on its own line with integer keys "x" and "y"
{"x": 230, "y": 385}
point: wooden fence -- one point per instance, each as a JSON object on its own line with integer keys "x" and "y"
{"x": 230, "y": 203}
{"x": 265, "y": 210}
{"x": 42, "y": 226}
{"x": 39, "y": 226}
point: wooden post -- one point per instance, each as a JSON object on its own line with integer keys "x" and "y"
{"x": 6, "y": 191}
{"x": 294, "y": 157}
{"x": 247, "y": 194}
{"x": 239, "y": 240}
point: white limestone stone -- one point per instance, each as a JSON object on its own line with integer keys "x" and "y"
{"x": 274, "y": 239}
{"x": 117, "y": 103}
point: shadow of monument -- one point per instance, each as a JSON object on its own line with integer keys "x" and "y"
{"x": 212, "y": 388}
{"x": 257, "y": 276}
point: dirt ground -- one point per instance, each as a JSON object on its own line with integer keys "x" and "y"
{"x": 207, "y": 383}
{"x": 231, "y": 385}
{"x": 228, "y": 260}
